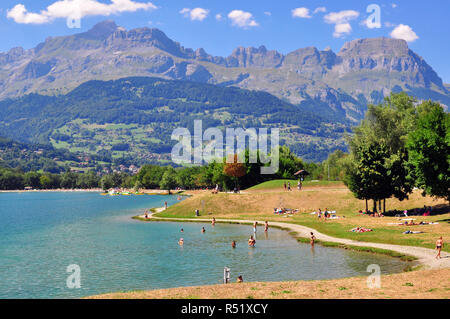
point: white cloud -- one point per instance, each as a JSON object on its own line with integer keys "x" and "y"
{"x": 75, "y": 9}
{"x": 242, "y": 19}
{"x": 320, "y": 9}
{"x": 184, "y": 11}
{"x": 341, "y": 29}
{"x": 268, "y": 13}
{"x": 341, "y": 21}
{"x": 341, "y": 16}
{"x": 301, "y": 13}
{"x": 394, "y": 5}
{"x": 198, "y": 14}
{"x": 219, "y": 17}
{"x": 404, "y": 32}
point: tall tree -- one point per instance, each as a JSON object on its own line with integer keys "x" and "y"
{"x": 169, "y": 179}
{"x": 429, "y": 150}
{"x": 234, "y": 169}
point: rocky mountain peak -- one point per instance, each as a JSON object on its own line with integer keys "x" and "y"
{"x": 102, "y": 29}
{"x": 375, "y": 46}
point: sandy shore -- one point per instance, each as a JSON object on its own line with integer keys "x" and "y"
{"x": 422, "y": 284}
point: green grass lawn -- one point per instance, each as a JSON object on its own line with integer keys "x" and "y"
{"x": 279, "y": 183}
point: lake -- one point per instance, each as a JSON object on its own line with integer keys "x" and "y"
{"x": 41, "y": 234}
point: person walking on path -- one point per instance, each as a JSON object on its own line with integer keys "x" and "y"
{"x": 439, "y": 245}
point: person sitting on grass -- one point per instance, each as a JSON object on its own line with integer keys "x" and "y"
{"x": 240, "y": 279}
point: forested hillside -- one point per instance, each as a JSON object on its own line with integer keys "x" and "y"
{"x": 134, "y": 118}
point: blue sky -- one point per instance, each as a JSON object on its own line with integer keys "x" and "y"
{"x": 424, "y": 24}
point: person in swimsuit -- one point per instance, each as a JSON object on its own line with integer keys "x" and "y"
{"x": 233, "y": 244}
{"x": 182, "y": 230}
{"x": 203, "y": 229}
{"x": 213, "y": 222}
{"x": 181, "y": 242}
{"x": 251, "y": 242}
{"x": 266, "y": 226}
{"x": 439, "y": 245}
{"x": 254, "y": 226}
{"x": 312, "y": 239}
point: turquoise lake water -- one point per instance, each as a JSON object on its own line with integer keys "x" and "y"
{"x": 41, "y": 234}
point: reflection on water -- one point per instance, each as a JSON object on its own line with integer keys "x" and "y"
{"x": 41, "y": 234}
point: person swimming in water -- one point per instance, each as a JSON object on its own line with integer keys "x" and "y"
{"x": 233, "y": 244}
{"x": 181, "y": 242}
{"x": 203, "y": 229}
{"x": 182, "y": 230}
{"x": 251, "y": 241}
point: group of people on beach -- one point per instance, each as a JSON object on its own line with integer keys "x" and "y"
{"x": 326, "y": 214}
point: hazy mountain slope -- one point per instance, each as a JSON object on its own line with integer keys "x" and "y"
{"x": 339, "y": 85}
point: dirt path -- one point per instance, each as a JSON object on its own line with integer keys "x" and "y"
{"x": 425, "y": 256}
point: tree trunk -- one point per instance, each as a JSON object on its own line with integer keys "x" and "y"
{"x": 384, "y": 206}
{"x": 379, "y": 205}
{"x": 367, "y": 207}
{"x": 374, "y": 205}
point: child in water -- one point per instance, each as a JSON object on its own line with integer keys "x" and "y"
{"x": 251, "y": 242}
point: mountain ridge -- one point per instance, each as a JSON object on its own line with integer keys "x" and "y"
{"x": 342, "y": 83}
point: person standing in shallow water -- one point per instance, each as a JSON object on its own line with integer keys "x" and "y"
{"x": 313, "y": 238}
{"x": 266, "y": 226}
{"x": 213, "y": 222}
{"x": 233, "y": 244}
{"x": 439, "y": 245}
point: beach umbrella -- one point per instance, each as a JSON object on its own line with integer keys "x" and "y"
{"x": 301, "y": 172}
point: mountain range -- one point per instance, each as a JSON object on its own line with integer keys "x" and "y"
{"x": 338, "y": 85}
